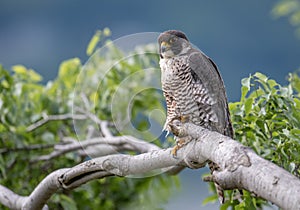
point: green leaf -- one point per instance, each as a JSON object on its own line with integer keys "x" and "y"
{"x": 106, "y": 32}
{"x": 34, "y": 76}
{"x": 295, "y": 131}
{"x": 295, "y": 81}
{"x": 225, "y": 206}
{"x": 48, "y": 137}
{"x": 2, "y": 168}
{"x": 244, "y": 91}
{"x": 297, "y": 103}
{"x": 261, "y": 76}
{"x": 68, "y": 203}
{"x": 248, "y": 105}
{"x": 272, "y": 83}
{"x": 210, "y": 199}
{"x": 246, "y": 82}
{"x": 245, "y": 87}
{"x": 19, "y": 69}
{"x": 69, "y": 68}
{"x": 93, "y": 43}
{"x": 284, "y": 8}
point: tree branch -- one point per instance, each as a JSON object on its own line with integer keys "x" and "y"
{"x": 240, "y": 168}
{"x": 10, "y": 199}
{"x": 118, "y": 143}
{"x": 47, "y": 118}
{"x": 27, "y": 148}
{"x": 69, "y": 178}
{"x": 103, "y": 125}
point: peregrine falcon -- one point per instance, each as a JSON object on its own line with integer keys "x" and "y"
{"x": 193, "y": 88}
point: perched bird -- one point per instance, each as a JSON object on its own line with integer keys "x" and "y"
{"x": 193, "y": 88}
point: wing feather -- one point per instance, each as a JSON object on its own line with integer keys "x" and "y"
{"x": 214, "y": 101}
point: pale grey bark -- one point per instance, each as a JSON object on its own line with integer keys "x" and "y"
{"x": 10, "y": 199}
{"x": 100, "y": 146}
{"x": 47, "y": 118}
{"x": 240, "y": 168}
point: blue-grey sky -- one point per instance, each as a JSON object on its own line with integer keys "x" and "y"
{"x": 240, "y": 36}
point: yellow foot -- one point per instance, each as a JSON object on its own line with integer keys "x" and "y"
{"x": 174, "y": 151}
{"x": 180, "y": 142}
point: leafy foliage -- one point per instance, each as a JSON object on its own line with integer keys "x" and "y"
{"x": 267, "y": 119}
{"x": 291, "y": 9}
{"x": 25, "y": 101}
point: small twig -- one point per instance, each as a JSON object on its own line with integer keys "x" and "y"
{"x": 103, "y": 125}
{"x": 48, "y": 118}
{"x": 105, "y": 130}
{"x": 122, "y": 143}
{"x": 90, "y": 132}
{"x": 85, "y": 100}
{"x": 29, "y": 147}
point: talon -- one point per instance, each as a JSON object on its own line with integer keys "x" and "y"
{"x": 180, "y": 142}
{"x": 167, "y": 126}
{"x": 174, "y": 129}
{"x": 168, "y": 132}
{"x": 174, "y": 151}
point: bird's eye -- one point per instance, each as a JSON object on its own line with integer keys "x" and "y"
{"x": 173, "y": 40}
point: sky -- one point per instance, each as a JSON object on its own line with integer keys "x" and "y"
{"x": 242, "y": 37}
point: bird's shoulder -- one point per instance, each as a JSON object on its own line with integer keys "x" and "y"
{"x": 204, "y": 68}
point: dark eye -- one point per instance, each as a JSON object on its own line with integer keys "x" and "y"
{"x": 174, "y": 39}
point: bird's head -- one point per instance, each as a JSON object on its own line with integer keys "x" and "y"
{"x": 172, "y": 43}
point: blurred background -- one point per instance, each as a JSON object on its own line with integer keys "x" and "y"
{"x": 242, "y": 37}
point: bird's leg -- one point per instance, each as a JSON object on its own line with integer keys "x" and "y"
{"x": 180, "y": 141}
{"x": 172, "y": 113}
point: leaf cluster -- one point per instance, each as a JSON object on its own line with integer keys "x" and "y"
{"x": 25, "y": 100}
{"x": 289, "y": 9}
{"x": 267, "y": 120}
